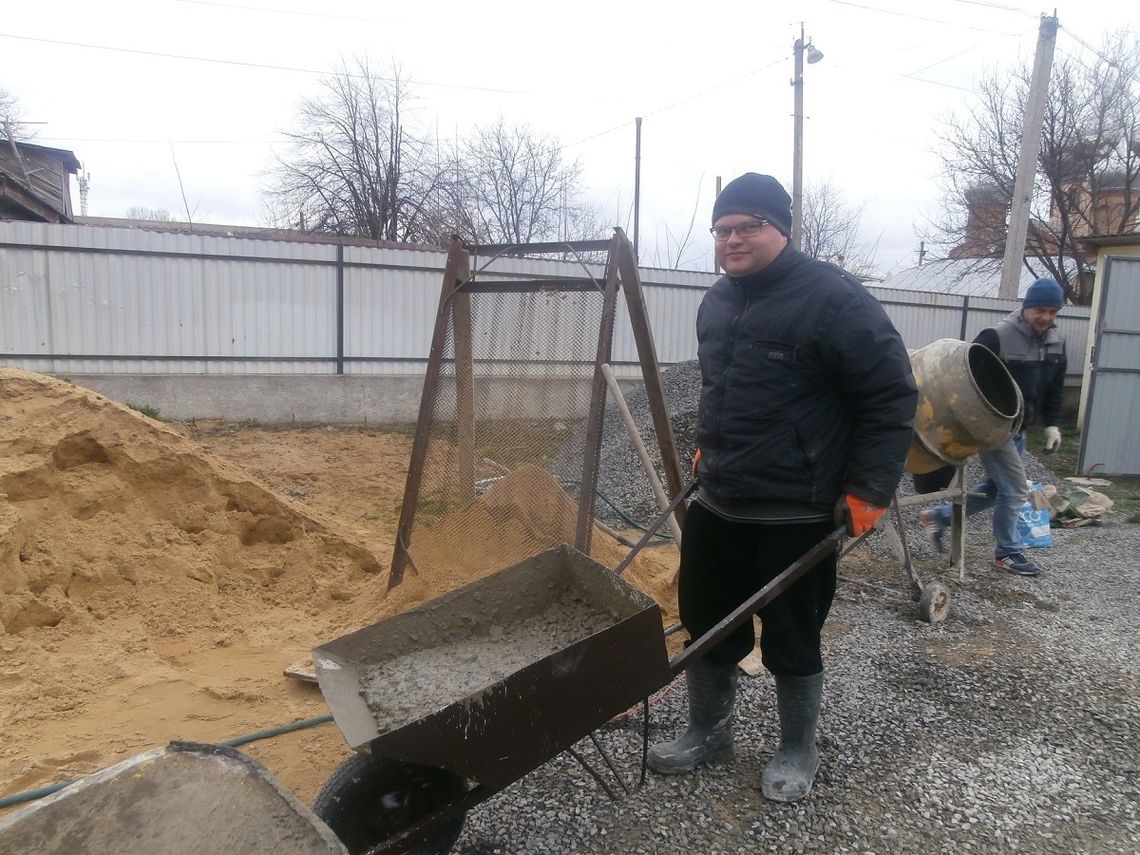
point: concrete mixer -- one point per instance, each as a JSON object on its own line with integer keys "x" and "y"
{"x": 967, "y": 403}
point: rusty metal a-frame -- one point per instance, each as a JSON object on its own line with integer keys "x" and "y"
{"x": 454, "y": 312}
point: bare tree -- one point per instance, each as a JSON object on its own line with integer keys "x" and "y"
{"x": 13, "y": 125}
{"x": 1087, "y": 168}
{"x": 830, "y": 229}
{"x": 141, "y": 212}
{"x": 514, "y": 185}
{"x": 355, "y": 165}
{"x": 10, "y": 121}
{"x": 679, "y": 250}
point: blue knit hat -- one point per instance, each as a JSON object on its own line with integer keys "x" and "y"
{"x": 1044, "y": 293}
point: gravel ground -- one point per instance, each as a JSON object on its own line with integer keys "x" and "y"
{"x": 1013, "y": 725}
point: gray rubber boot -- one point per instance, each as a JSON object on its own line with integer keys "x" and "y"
{"x": 712, "y": 692}
{"x": 789, "y": 776}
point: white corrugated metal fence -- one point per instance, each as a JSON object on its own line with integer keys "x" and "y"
{"x": 102, "y": 300}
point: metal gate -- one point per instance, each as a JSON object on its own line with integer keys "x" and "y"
{"x": 1108, "y": 442}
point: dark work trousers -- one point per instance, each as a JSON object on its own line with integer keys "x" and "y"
{"x": 723, "y": 563}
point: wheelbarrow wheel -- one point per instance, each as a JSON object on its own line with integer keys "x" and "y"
{"x": 935, "y": 603}
{"x": 368, "y": 801}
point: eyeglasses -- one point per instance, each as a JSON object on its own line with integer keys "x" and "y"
{"x": 745, "y": 230}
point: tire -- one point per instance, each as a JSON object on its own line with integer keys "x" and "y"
{"x": 366, "y": 801}
{"x": 934, "y": 604}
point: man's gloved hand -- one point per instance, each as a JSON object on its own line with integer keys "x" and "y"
{"x": 696, "y": 460}
{"x": 857, "y": 514}
{"x": 1052, "y": 439}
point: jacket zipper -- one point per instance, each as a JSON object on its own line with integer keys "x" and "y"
{"x": 806, "y": 458}
{"x": 727, "y": 368}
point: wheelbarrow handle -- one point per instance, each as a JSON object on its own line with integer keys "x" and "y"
{"x": 652, "y": 529}
{"x": 757, "y": 601}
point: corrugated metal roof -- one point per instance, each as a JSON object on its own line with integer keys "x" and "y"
{"x": 964, "y": 277}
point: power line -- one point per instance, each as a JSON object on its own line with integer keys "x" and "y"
{"x": 244, "y": 64}
{"x": 775, "y": 62}
{"x": 262, "y": 9}
{"x": 158, "y": 142}
{"x": 705, "y": 92}
{"x": 598, "y": 134}
{"x": 913, "y": 75}
{"x": 678, "y": 103}
{"x": 1111, "y": 62}
{"x": 996, "y": 6}
{"x": 935, "y": 83}
{"x": 920, "y": 17}
{"x": 955, "y": 55}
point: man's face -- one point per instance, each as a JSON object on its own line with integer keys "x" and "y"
{"x": 1039, "y": 317}
{"x": 739, "y": 256}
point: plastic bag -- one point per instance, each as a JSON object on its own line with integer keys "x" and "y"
{"x": 1033, "y": 519}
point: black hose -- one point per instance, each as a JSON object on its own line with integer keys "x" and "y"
{"x": 32, "y": 795}
{"x": 625, "y": 518}
{"x": 276, "y": 731}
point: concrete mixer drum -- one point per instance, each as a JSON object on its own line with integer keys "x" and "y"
{"x": 967, "y": 403}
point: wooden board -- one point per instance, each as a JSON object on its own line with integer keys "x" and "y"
{"x": 302, "y": 670}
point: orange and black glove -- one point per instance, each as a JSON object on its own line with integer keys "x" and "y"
{"x": 696, "y": 460}
{"x": 857, "y": 514}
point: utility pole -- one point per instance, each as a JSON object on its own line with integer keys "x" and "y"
{"x": 718, "y": 180}
{"x": 813, "y": 56}
{"x": 637, "y": 188}
{"x": 921, "y": 252}
{"x": 798, "y": 140}
{"x": 1027, "y": 159}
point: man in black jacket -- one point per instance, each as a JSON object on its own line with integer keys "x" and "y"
{"x": 1029, "y": 344}
{"x": 807, "y": 407}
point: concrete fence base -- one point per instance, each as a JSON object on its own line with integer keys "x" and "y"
{"x": 283, "y": 399}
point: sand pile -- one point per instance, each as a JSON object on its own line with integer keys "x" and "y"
{"x": 150, "y": 590}
{"x": 104, "y": 511}
{"x": 147, "y": 591}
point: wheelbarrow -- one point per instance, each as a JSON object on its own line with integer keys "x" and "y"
{"x": 453, "y": 700}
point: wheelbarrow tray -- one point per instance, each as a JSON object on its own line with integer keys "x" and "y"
{"x": 183, "y": 799}
{"x": 443, "y": 685}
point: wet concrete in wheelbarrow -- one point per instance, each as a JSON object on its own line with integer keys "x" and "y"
{"x": 418, "y": 684}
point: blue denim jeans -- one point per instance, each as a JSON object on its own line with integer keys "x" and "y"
{"x": 1004, "y": 491}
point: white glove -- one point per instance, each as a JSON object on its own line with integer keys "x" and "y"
{"x": 1052, "y": 439}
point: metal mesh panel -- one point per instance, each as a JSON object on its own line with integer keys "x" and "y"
{"x": 505, "y": 452}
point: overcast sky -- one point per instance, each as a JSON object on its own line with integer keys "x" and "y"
{"x": 134, "y": 87}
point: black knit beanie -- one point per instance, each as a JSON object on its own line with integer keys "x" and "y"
{"x": 757, "y": 195}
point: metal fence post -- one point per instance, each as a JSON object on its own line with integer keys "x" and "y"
{"x": 339, "y": 308}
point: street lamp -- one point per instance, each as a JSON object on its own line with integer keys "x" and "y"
{"x": 814, "y": 55}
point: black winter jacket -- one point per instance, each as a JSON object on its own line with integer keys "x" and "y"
{"x": 806, "y": 388}
{"x": 1037, "y": 364}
